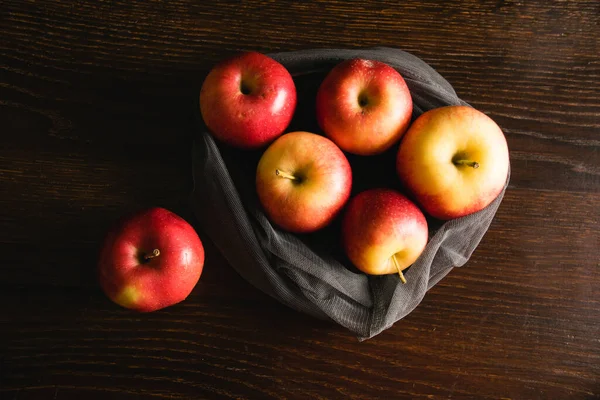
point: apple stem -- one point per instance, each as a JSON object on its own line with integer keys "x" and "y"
{"x": 402, "y": 278}
{"x": 284, "y": 174}
{"x": 469, "y": 163}
{"x": 155, "y": 253}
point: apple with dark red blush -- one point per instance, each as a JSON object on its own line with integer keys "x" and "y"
{"x": 247, "y": 101}
{"x": 383, "y": 232}
{"x": 150, "y": 260}
{"x": 364, "y": 106}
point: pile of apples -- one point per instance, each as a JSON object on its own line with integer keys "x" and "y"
{"x": 453, "y": 161}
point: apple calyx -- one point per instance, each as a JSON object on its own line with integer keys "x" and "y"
{"x": 468, "y": 163}
{"x": 248, "y": 85}
{"x": 284, "y": 174}
{"x": 363, "y": 100}
{"x": 402, "y": 278}
{"x": 245, "y": 89}
{"x": 148, "y": 257}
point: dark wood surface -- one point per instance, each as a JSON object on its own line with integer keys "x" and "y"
{"x": 96, "y": 120}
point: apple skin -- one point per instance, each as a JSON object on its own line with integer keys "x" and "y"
{"x": 248, "y": 100}
{"x": 320, "y": 190}
{"x": 379, "y": 224}
{"x": 164, "y": 280}
{"x": 364, "y": 106}
{"x": 430, "y": 156}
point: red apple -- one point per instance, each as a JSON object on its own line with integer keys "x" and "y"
{"x": 364, "y": 106}
{"x": 383, "y": 232}
{"x": 454, "y": 160}
{"x": 303, "y": 180}
{"x": 150, "y": 260}
{"x": 247, "y": 101}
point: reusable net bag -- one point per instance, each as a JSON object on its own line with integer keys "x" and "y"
{"x": 310, "y": 273}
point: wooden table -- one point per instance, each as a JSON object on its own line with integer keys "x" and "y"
{"x": 96, "y": 120}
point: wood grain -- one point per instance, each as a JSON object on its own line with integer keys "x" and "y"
{"x": 96, "y": 104}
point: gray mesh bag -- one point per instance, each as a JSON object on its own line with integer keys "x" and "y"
{"x": 310, "y": 273}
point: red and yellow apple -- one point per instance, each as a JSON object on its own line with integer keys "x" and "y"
{"x": 454, "y": 160}
{"x": 247, "y": 101}
{"x": 364, "y": 106}
{"x": 150, "y": 260}
{"x": 383, "y": 232}
{"x": 303, "y": 180}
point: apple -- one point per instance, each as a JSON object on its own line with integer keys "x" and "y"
{"x": 150, "y": 260}
{"x": 364, "y": 106}
{"x": 454, "y": 160}
{"x": 303, "y": 180}
{"x": 383, "y": 232}
{"x": 248, "y": 100}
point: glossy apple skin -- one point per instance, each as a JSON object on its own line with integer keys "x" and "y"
{"x": 312, "y": 201}
{"x": 426, "y": 161}
{"x": 379, "y": 224}
{"x": 253, "y": 119}
{"x": 364, "y": 106}
{"x": 159, "y": 282}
